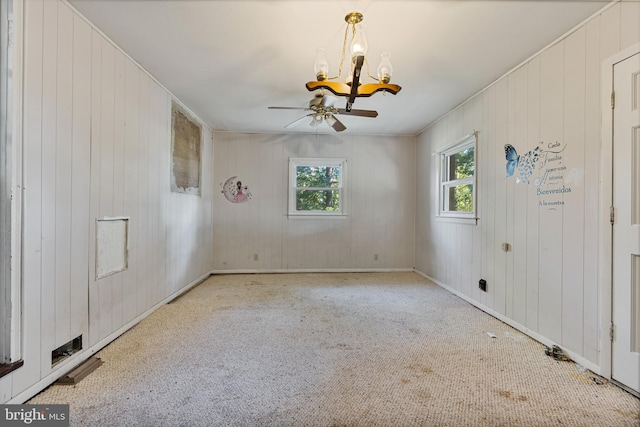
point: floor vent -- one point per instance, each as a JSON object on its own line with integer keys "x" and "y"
{"x": 66, "y": 350}
{"x": 81, "y": 371}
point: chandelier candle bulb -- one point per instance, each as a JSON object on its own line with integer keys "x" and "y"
{"x": 359, "y": 45}
{"x": 385, "y": 69}
{"x": 321, "y": 67}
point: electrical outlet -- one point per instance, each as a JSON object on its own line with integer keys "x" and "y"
{"x": 255, "y": 257}
{"x": 505, "y": 246}
{"x": 375, "y": 257}
{"x": 483, "y": 285}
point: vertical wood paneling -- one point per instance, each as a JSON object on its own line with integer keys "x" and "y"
{"x": 64, "y": 73}
{"x": 153, "y": 196}
{"x": 143, "y": 194}
{"x": 206, "y": 227}
{"x": 488, "y": 170}
{"x": 118, "y": 178}
{"x": 630, "y": 23}
{"x": 48, "y": 184}
{"x": 94, "y": 198}
{"x": 477, "y": 260}
{"x": 164, "y": 147}
{"x": 590, "y": 318}
{"x": 610, "y": 31}
{"x": 130, "y": 190}
{"x": 573, "y": 209}
{"x": 466, "y": 273}
{"x": 32, "y": 295}
{"x": 550, "y": 238}
{"x": 533, "y": 224}
{"x": 521, "y": 209}
{"x": 500, "y": 185}
{"x": 80, "y": 177}
{"x": 511, "y": 192}
{"x": 107, "y": 161}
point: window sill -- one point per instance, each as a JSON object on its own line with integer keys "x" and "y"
{"x": 6, "y": 369}
{"x": 457, "y": 220}
{"x": 316, "y": 216}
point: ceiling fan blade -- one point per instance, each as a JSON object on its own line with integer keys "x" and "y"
{"x": 361, "y": 113}
{"x": 295, "y": 122}
{"x": 336, "y": 124}
{"x": 287, "y": 108}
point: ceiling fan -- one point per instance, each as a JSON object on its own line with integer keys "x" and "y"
{"x": 323, "y": 110}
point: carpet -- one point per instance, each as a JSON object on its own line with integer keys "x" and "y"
{"x": 334, "y": 349}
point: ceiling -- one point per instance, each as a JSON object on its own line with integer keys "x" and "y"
{"x": 230, "y": 60}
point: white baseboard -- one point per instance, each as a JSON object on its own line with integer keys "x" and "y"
{"x": 533, "y": 334}
{"x": 311, "y": 270}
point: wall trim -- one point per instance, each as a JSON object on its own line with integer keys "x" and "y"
{"x": 309, "y": 270}
{"x": 605, "y": 232}
{"x": 83, "y": 355}
{"x": 533, "y": 334}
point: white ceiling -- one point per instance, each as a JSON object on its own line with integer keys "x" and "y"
{"x": 230, "y": 60}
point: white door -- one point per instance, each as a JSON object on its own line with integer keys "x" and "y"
{"x": 626, "y": 229}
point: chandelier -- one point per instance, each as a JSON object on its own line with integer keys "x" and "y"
{"x": 352, "y": 88}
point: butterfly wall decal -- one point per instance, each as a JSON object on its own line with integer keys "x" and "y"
{"x": 524, "y": 163}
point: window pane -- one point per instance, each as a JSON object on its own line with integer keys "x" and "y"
{"x": 461, "y": 198}
{"x": 461, "y": 164}
{"x": 318, "y": 200}
{"x": 317, "y": 176}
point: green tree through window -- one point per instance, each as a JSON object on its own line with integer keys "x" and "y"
{"x": 317, "y": 184}
{"x": 457, "y": 179}
{"x": 310, "y": 182}
{"x": 462, "y": 166}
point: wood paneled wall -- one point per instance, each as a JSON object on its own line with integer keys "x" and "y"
{"x": 548, "y": 283}
{"x": 97, "y": 143}
{"x": 380, "y": 205}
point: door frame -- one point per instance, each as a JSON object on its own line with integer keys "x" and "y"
{"x": 605, "y": 259}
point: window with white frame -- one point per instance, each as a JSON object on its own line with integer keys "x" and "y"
{"x": 316, "y": 186}
{"x": 457, "y": 183}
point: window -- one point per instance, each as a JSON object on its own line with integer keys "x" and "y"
{"x": 457, "y": 195}
{"x": 316, "y": 186}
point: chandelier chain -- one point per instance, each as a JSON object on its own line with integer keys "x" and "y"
{"x": 344, "y": 50}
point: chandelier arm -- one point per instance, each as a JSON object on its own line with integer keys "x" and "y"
{"x": 343, "y": 89}
{"x": 368, "y": 89}
{"x": 366, "y": 61}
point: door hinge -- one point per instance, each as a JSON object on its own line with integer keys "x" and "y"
{"x": 611, "y": 331}
{"x": 612, "y": 214}
{"x": 613, "y": 100}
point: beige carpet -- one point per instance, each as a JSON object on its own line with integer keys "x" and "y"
{"x": 358, "y": 349}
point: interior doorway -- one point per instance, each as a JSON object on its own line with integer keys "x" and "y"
{"x": 625, "y": 269}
